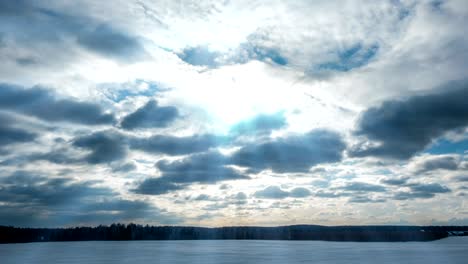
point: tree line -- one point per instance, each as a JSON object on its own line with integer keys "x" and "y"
{"x": 9, "y": 234}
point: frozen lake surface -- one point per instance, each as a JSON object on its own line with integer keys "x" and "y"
{"x": 450, "y": 250}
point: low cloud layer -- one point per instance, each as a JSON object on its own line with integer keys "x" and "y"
{"x": 404, "y": 128}
{"x": 150, "y": 116}
{"x": 44, "y": 104}
{"x": 275, "y": 192}
{"x": 297, "y": 153}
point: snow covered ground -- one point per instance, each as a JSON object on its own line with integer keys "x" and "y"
{"x": 450, "y": 250}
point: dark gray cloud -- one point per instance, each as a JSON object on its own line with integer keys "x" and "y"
{"x": 27, "y": 22}
{"x": 404, "y": 128}
{"x": 26, "y": 61}
{"x": 110, "y": 42}
{"x": 295, "y": 153}
{"x": 171, "y": 145}
{"x": 27, "y": 199}
{"x": 105, "y": 146}
{"x": 108, "y": 146}
{"x": 262, "y": 124}
{"x": 463, "y": 178}
{"x": 11, "y": 134}
{"x": 43, "y": 104}
{"x": 438, "y": 162}
{"x": 202, "y": 168}
{"x": 421, "y": 191}
{"x": 365, "y": 199}
{"x": 27, "y": 188}
{"x": 429, "y": 188}
{"x": 156, "y": 186}
{"x": 413, "y": 195}
{"x": 15, "y": 8}
{"x": 275, "y": 192}
{"x": 395, "y": 181}
{"x": 57, "y": 156}
{"x": 150, "y": 116}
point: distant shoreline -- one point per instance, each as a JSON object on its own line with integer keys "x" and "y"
{"x": 133, "y": 232}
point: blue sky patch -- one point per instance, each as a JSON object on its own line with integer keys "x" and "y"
{"x": 118, "y": 94}
{"x": 199, "y": 56}
{"x": 444, "y": 146}
{"x": 351, "y": 58}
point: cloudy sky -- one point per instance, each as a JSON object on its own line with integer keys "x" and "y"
{"x": 215, "y": 113}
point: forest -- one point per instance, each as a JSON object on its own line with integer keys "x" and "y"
{"x": 9, "y": 234}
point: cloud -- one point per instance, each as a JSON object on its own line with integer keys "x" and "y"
{"x": 171, "y": 145}
{"x": 108, "y": 146}
{"x": 271, "y": 192}
{"x": 296, "y": 153}
{"x": 240, "y": 196}
{"x": 156, "y": 186}
{"x": 413, "y": 195}
{"x": 463, "y": 178}
{"x": 24, "y": 187}
{"x": 262, "y": 124}
{"x": 11, "y": 134}
{"x": 300, "y": 192}
{"x": 404, "y": 128}
{"x": 275, "y": 192}
{"x": 30, "y": 200}
{"x": 150, "y": 116}
{"x": 57, "y": 156}
{"x": 421, "y": 191}
{"x": 362, "y": 187}
{"x": 105, "y": 146}
{"x": 43, "y": 104}
{"x": 15, "y": 8}
{"x": 205, "y": 168}
{"x": 428, "y": 163}
{"x": 328, "y": 194}
{"x": 395, "y": 181}
{"x": 364, "y": 199}
{"x": 108, "y": 41}
{"x": 429, "y": 188}
{"x": 126, "y": 167}
{"x": 56, "y": 26}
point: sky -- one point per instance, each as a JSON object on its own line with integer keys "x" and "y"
{"x": 227, "y": 113}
